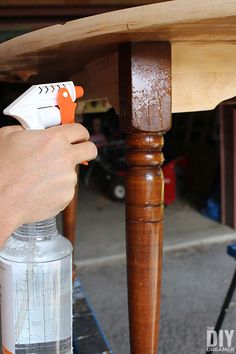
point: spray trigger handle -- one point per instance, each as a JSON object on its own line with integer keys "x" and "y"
{"x": 67, "y": 106}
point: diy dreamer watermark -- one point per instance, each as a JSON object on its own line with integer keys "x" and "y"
{"x": 221, "y": 341}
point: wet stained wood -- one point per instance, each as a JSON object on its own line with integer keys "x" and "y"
{"x": 145, "y": 86}
{"x": 145, "y": 113}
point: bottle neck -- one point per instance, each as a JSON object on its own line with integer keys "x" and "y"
{"x": 39, "y": 231}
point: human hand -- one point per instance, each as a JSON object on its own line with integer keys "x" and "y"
{"x": 37, "y": 172}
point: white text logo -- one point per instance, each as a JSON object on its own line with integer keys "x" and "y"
{"x": 221, "y": 342}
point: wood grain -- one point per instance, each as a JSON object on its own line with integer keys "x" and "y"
{"x": 145, "y": 86}
{"x": 144, "y": 229}
{"x": 61, "y": 50}
{"x": 203, "y": 75}
{"x": 142, "y": 66}
{"x": 203, "y": 35}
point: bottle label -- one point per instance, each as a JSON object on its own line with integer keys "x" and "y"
{"x": 36, "y": 306}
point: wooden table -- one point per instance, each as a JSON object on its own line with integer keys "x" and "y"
{"x": 175, "y": 56}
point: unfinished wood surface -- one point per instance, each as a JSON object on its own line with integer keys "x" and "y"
{"x": 203, "y": 75}
{"x": 201, "y": 79}
{"x": 57, "y": 52}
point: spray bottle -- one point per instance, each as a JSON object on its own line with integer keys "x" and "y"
{"x": 36, "y": 262}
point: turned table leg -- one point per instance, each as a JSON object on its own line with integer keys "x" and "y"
{"x": 145, "y": 94}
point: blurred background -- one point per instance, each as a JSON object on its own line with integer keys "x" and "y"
{"x": 200, "y": 199}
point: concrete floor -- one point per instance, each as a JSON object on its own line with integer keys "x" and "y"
{"x": 101, "y": 227}
{"x": 194, "y": 285}
{"x": 196, "y": 273}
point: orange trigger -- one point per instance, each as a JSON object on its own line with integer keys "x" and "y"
{"x": 79, "y": 91}
{"x": 66, "y": 105}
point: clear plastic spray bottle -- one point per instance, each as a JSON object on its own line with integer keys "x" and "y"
{"x": 36, "y": 283}
{"x": 36, "y": 262}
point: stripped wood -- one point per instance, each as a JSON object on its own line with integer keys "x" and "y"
{"x": 201, "y": 32}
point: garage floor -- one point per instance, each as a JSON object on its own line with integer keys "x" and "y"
{"x": 101, "y": 228}
{"x": 194, "y": 285}
{"x": 196, "y": 275}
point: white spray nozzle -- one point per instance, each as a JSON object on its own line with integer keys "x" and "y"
{"x": 37, "y": 108}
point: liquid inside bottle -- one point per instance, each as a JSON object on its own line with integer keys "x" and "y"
{"x": 36, "y": 291}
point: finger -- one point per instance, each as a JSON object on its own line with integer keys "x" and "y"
{"x": 74, "y": 133}
{"x": 84, "y": 152}
{"x": 12, "y": 129}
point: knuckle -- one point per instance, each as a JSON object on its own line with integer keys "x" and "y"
{"x": 93, "y": 150}
{"x": 87, "y": 135}
{"x": 83, "y": 131}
